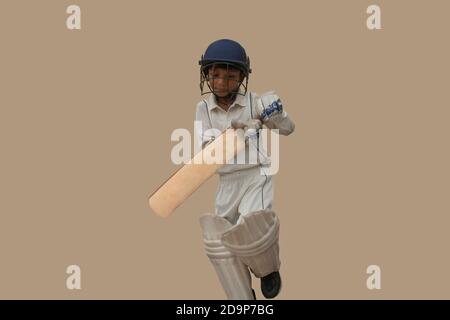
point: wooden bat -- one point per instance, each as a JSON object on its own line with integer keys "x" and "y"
{"x": 199, "y": 169}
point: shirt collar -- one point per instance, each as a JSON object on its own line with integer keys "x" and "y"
{"x": 240, "y": 100}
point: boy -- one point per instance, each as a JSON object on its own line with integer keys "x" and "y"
{"x": 242, "y": 235}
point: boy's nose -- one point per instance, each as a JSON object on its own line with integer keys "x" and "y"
{"x": 221, "y": 81}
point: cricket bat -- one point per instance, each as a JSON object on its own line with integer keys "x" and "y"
{"x": 186, "y": 180}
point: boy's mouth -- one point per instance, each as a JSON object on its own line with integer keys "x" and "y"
{"x": 221, "y": 90}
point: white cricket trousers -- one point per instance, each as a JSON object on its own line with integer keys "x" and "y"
{"x": 242, "y": 192}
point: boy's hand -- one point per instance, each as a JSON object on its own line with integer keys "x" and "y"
{"x": 250, "y": 127}
{"x": 269, "y": 105}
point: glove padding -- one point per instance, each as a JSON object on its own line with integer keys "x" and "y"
{"x": 268, "y": 106}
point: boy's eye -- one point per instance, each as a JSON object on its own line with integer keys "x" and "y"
{"x": 225, "y": 77}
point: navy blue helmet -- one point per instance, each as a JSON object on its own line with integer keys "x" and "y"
{"x": 227, "y": 54}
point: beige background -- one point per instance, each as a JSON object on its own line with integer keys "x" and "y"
{"x": 86, "y": 118}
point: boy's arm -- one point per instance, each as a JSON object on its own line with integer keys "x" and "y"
{"x": 202, "y": 136}
{"x": 270, "y": 110}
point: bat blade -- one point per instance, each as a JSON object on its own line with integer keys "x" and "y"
{"x": 197, "y": 171}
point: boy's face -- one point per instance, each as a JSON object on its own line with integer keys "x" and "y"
{"x": 223, "y": 82}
